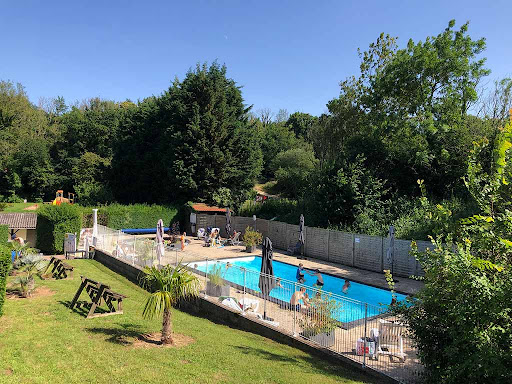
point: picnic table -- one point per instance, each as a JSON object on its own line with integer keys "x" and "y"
{"x": 60, "y": 269}
{"x": 99, "y": 292}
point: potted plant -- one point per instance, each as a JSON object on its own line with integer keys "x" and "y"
{"x": 319, "y": 323}
{"x": 216, "y": 285}
{"x": 251, "y": 239}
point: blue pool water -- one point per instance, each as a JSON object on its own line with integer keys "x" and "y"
{"x": 352, "y": 303}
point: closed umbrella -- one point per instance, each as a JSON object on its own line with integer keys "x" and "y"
{"x": 228, "y": 223}
{"x": 160, "y": 249}
{"x": 266, "y": 283}
{"x": 302, "y": 239}
{"x": 390, "y": 253}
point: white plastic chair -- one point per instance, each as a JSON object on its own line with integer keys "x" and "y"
{"x": 390, "y": 340}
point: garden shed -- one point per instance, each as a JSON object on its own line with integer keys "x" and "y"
{"x": 203, "y": 212}
{"x": 22, "y": 225}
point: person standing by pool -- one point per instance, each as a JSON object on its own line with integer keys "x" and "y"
{"x": 183, "y": 240}
{"x": 346, "y": 286}
{"x": 300, "y": 274}
{"x": 319, "y": 279}
{"x": 296, "y": 297}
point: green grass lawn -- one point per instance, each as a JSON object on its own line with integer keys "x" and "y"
{"x": 43, "y": 341}
{"x": 17, "y": 207}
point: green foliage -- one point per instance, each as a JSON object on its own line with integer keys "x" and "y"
{"x": 53, "y": 222}
{"x": 321, "y": 318}
{"x": 168, "y": 286}
{"x": 4, "y": 234}
{"x": 216, "y": 275}
{"x": 118, "y": 216}
{"x": 5, "y": 266}
{"x": 292, "y": 170}
{"x": 252, "y": 237}
{"x": 196, "y": 137}
{"x": 301, "y": 124}
{"x": 276, "y": 138}
{"x": 279, "y": 209}
{"x": 461, "y": 319}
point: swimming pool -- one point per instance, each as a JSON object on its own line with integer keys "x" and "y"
{"x": 352, "y": 303}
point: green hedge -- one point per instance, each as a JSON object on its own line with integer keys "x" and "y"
{"x": 53, "y": 222}
{"x": 5, "y": 265}
{"x": 4, "y": 234}
{"x": 119, "y": 216}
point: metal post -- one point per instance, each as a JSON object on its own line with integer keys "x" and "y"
{"x": 243, "y": 306}
{"x": 176, "y": 257}
{"x": 294, "y": 311}
{"x": 205, "y": 278}
{"x": 364, "y": 340}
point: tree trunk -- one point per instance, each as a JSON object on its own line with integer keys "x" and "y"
{"x": 166, "y": 328}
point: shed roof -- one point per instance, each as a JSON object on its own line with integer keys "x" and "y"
{"x": 201, "y": 207}
{"x": 19, "y": 220}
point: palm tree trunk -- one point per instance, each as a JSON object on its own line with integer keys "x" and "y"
{"x": 166, "y": 328}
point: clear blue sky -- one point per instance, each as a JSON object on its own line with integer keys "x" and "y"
{"x": 285, "y": 54}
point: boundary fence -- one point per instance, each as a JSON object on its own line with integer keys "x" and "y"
{"x": 352, "y": 249}
{"x": 366, "y": 334}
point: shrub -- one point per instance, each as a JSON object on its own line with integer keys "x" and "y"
{"x": 53, "y": 222}
{"x": 4, "y": 234}
{"x": 252, "y": 237}
{"x": 5, "y": 266}
{"x": 119, "y": 216}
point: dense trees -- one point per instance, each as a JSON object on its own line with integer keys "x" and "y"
{"x": 411, "y": 113}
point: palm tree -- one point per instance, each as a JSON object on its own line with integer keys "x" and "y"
{"x": 168, "y": 286}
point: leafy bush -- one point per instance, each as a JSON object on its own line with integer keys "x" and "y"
{"x": 53, "y": 222}
{"x": 5, "y": 266}
{"x": 252, "y": 237}
{"x": 4, "y": 234}
{"x": 3, "y": 206}
{"x": 292, "y": 169}
{"x": 119, "y": 216}
{"x": 461, "y": 319}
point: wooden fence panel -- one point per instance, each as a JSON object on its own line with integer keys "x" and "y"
{"x": 341, "y": 247}
{"x": 292, "y": 235}
{"x": 368, "y": 252}
{"x": 277, "y": 233}
{"x": 317, "y": 243}
{"x": 262, "y": 227}
{"x": 403, "y": 263}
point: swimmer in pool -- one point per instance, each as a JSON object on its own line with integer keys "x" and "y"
{"x": 346, "y": 286}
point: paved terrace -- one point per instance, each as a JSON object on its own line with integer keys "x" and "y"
{"x": 195, "y": 251}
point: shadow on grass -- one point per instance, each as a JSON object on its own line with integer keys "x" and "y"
{"x": 319, "y": 362}
{"x": 123, "y": 334}
{"x": 265, "y": 354}
{"x": 82, "y": 307}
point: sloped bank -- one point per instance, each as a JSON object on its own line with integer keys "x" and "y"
{"x": 212, "y": 310}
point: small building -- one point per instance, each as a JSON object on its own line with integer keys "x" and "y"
{"x": 197, "y": 208}
{"x": 22, "y": 225}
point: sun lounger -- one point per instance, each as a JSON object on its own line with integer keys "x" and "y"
{"x": 251, "y": 304}
{"x": 231, "y": 303}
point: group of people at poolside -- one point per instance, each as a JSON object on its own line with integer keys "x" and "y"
{"x": 214, "y": 237}
{"x": 302, "y": 295}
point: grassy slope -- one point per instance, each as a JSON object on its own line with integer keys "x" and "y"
{"x": 42, "y": 341}
{"x": 18, "y": 207}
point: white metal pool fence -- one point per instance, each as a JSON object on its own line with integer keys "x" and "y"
{"x": 367, "y": 334}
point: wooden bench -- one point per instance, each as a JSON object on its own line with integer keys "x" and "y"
{"x": 60, "y": 269}
{"x": 99, "y": 292}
